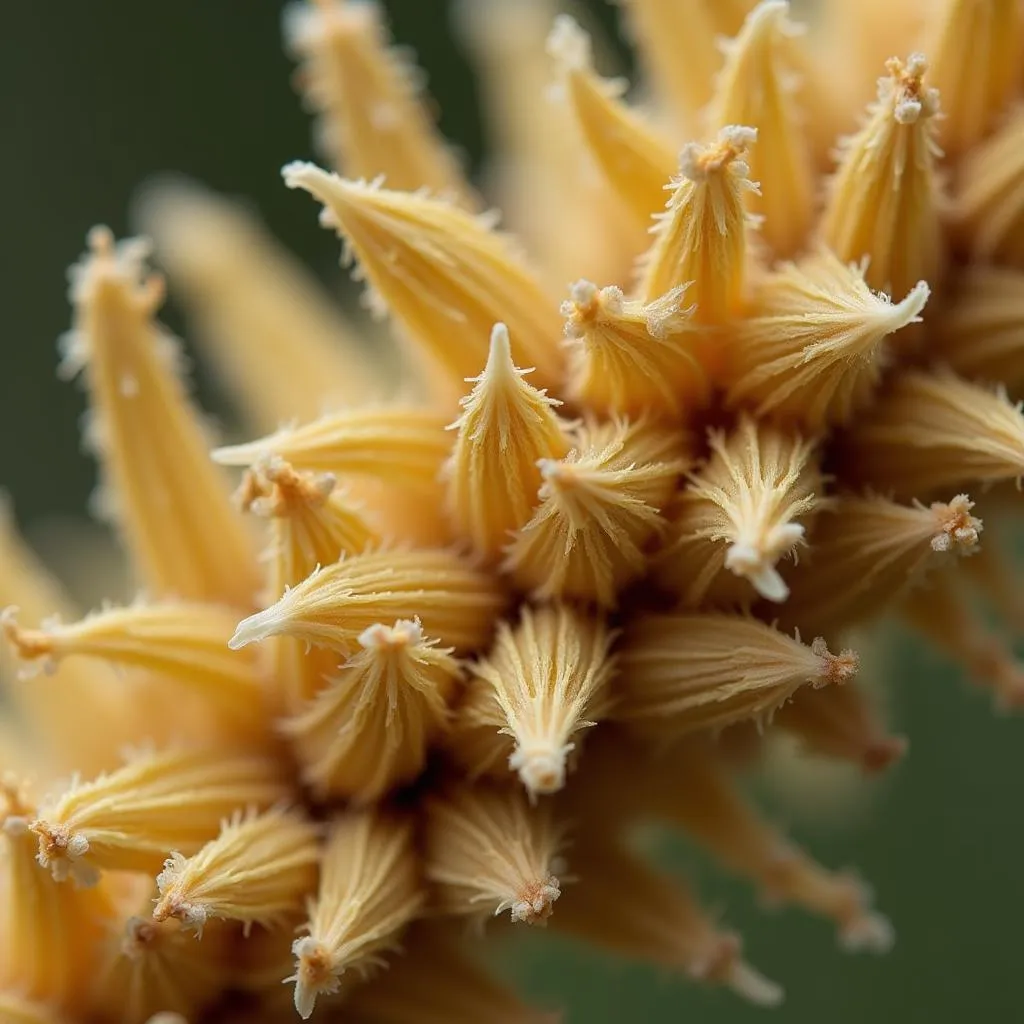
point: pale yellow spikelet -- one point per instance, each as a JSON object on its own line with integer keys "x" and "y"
{"x": 686, "y": 672}
{"x": 506, "y": 427}
{"x": 988, "y": 197}
{"x": 444, "y": 275}
{"x": 599, "y": 509}
{"x": 678, "y": 42}
{"x": 280, "y": 345}
{"x": 841, "y": 722}
{"x": 52, "y": 716}
{"x": 812, "y": 350}
{"x": 634, "y": 158}
{"x": 945, "y": 615}
{"x": 333, "y": 606}
{"x": 151, "y": 971}
{"x": 487, "y": 851}
{"x": 370, "y": 890}
{"x": 980, "y": 333}
{"x": 633, "y": 910}
{"x": 16, "y": 1009}
{"x": 934, "y": 430}
{"x": 742, "y": 513}
{"x": 758, "y": 86}
{"x": 48, "y": 932}
{"x": 701, "y": 237}
{"x": 630, "y": 358}
{"x": 372, "y": 120}
{"x": 975, "y": 51}
{"x": 436, "y": 979}
{"x": 183, "y": 646}
{"x": 369, "y": 729}
{"x": 868, "y": 552}
{"x": 544, "y": 682}
{"x": 259, "y": 870}
{"x": 131, "y": 818}
{"x": 693, "y": 788}
{"x": 173, "y": 508}
{"x": 884, "y": 201}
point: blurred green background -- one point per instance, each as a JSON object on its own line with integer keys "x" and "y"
{"x": 99, "y": 96}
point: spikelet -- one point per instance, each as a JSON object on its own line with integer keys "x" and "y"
{"x": 702, "y": 235}
{"x": 884, "y": 201}
{"x": 149, "y": 969}
{"x": 599, "y": 508}
{"x": 988, "y": 208}
{"x": 435, "y": 979}
{"x": 129, "y": 819}
{"x": 173, "y": 508}
{"x": 488, "y": 851}
{"x": 633, "y": 910}
{"x": 182, "y": 645}
{"x": 980, "y": 333}
{"x": 331, "y": 607}
{"x": 52, "y": 716}
{"x": 369, "y": 892}
{"x": 974, "y": 46}
{"x": 943, "y": 613}
{"x": 443, "y": 274}
{"x": 683, "y": 80}
{"x": 841, "y": 722}
{"x": 634, "y": 159}
{"x": 368, "y": 730}
{"x": 506, "y": 426}
{"x": 631, "y": 358}
{"x": 276, "y": 341}
{"x": 743, "y": 512}
{"x": 688, "y": 672}
{"x": 868, "y": 552}
{"x": 758, "y": 86}
{"x": 372, "y": 120}
{"x": 259, "y": 870}
{"x": 543, "y": 683}
{"x": 933, "y": 430}
{"x": 48, "y": 932}
{"x": 310, "y": 524}
{"x": 812, "y": 349}
{"x": 692, "y": 788}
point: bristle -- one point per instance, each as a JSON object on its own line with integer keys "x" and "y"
{"x": 633, "y": 157}
{"x": 369, "y": 728}
{"x": 742, "y": 513}
{"x": 988, "y": 198}
{"x": 975, "y": 50}
{"x": 259, "y": 870}
{"x": 488, "y": 851}
{"x": 129, "y": 819}
{"x": 544, "y": 683}
{"x": 445, "y": 278}
{"x": 369, "y": 892}
{"x": 812, "y": 350}
{"x": 930, "y": 431}
{"x": 332, "y": 607}
{"x": 884, "y": 202}
{"x": 868, "y": 553}
{"x": 757, "y": 86}
{"x": 278, "y": 343}
{"x": 506, "y": 427}
{"x": 691, "y": 672}
{"x": 372, "y": 120}
{"x": 599, "y": 509}
{"x": 628, "y": 358}
{"x": 702, "y": 235}
{"x": 174, "y": 510}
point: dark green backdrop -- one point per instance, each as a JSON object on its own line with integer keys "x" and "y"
{"x": 99, "y": 95}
